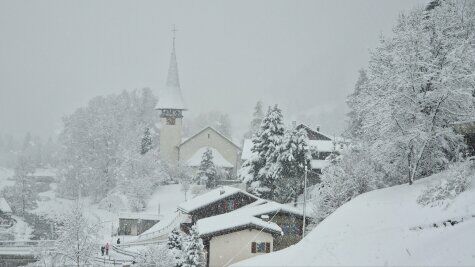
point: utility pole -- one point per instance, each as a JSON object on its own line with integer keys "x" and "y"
{"x": 304, "y": 201}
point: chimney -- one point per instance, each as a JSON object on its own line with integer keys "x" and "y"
{"x": 265, "y": 217}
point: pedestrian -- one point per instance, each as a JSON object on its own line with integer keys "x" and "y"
{"x": 118, "y": 241}
{"x": 102, "y": 250}
{"x": 107, "y": 248}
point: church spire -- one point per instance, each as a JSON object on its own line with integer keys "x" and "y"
{"x": 173, "y": 79}
{"x": 170, "y": 97}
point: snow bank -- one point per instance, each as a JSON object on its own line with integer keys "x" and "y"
{"x": 387, "y": 227}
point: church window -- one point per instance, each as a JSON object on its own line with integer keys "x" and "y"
{"x": 209, "y": 136}
{"x": 170, "y": 121}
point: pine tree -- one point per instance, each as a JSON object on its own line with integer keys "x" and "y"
{"x": 146, "y": 144}
{"x": 207, "y": 171}
{"x": 265, "y": 142}
{"x": 288, "y": 172}
{"x": 194, "y": 255}
{"x": 175, "y": 245}
{"x": 174, "y": 240}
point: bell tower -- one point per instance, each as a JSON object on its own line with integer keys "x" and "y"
{"x": 171, "y": 107}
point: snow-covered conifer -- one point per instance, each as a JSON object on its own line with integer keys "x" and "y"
{"x": 207, "y": 172}
{"x": 265, "y": 142}
{"x": 193, "y": 249}
{"x": 146, "y": 144}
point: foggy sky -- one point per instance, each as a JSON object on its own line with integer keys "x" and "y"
{"x": 303, "y": 55}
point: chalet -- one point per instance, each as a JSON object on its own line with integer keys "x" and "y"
{"x": 229, "y": 238}
{"x": 136, "y": 223}
{"x": 218, "y": 201}
{"x": 260, "y": 227}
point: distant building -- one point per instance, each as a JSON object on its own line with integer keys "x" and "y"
{"x": 173, "y": 149}
{"x": 136, "y": 223}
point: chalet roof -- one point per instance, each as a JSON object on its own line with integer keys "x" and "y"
{"x": 267, "y": 207}
{"x": 214, "y": 130}
{"x": 211, "y": 197}
{"x": 4, "y": 207}
{"x": 139, "y": 216}
{"x": 312, "y": 134}
{"x": 228, "y": 222}
{"x": 218, "y": 159}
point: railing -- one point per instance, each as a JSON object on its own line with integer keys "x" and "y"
{"x": 159, "y": 233}
{"x": 125, "y": 252}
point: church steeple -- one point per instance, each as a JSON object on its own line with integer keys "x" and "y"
{"x": 171, "y": 106}
{"x": 170, "y": 97}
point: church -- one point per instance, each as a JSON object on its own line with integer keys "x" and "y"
{"x": 176, "y": 150}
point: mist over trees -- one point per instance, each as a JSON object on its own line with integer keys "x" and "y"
{"x": 216, "y": 119}
{"x": 420, "y": 80}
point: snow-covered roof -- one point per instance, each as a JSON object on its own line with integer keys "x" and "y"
{"x": 210, "y": 197}
{"x": 233, "y": 221}
{"x": 319, "y": 163}
{"x": 4, "y": 207}
{"x": 139, "y": 216}
{"x": 213, "y": 129}
{"x": 218, "y": 159}
{"x": 322, "y": 145}
{"x": 170, "y": 96}
{"x": 263, "y": 206}
{"x": 246, "y": 149}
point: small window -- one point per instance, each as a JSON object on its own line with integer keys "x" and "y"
{"x": 230, "y": 204}
{"x": 209, "y": 136}
{"x": 260, "y": 247}
{"x": 170, "y": 121}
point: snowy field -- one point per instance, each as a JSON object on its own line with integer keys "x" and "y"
{"x": 387, "y": 227}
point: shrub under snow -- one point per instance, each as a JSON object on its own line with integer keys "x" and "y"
{"x": 459, "y": 181}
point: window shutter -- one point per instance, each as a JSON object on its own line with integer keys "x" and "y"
{"x": 267, "y": 247}
{"x": 253, "y": 247}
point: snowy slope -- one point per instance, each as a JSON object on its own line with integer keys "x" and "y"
{"x": 382, "y": 228}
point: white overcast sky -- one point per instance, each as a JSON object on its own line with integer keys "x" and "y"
{"x": 302, "y": 55}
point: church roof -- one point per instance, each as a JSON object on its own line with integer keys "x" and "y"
{"x": 218, "y": 159}
{"x": 214, "y": 130}
{"x": 170, "y": 96}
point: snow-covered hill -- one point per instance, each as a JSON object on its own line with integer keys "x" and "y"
{"x": 387, "y": 227}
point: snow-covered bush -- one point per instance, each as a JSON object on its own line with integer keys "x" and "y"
{"x": 157, "y": 256}
{"x": 352, "y": 174}
{"x": 459, "y": 179}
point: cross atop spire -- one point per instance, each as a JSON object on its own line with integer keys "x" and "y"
{"x": 174, "y": 30}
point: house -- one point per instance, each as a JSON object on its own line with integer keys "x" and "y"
{"x": 136, "y": 223}
{"x": 217, "y": 201}
{"x": 231, "y": 238}
{"x": 172, "y": 148}
{"x": 237, "y": 225}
